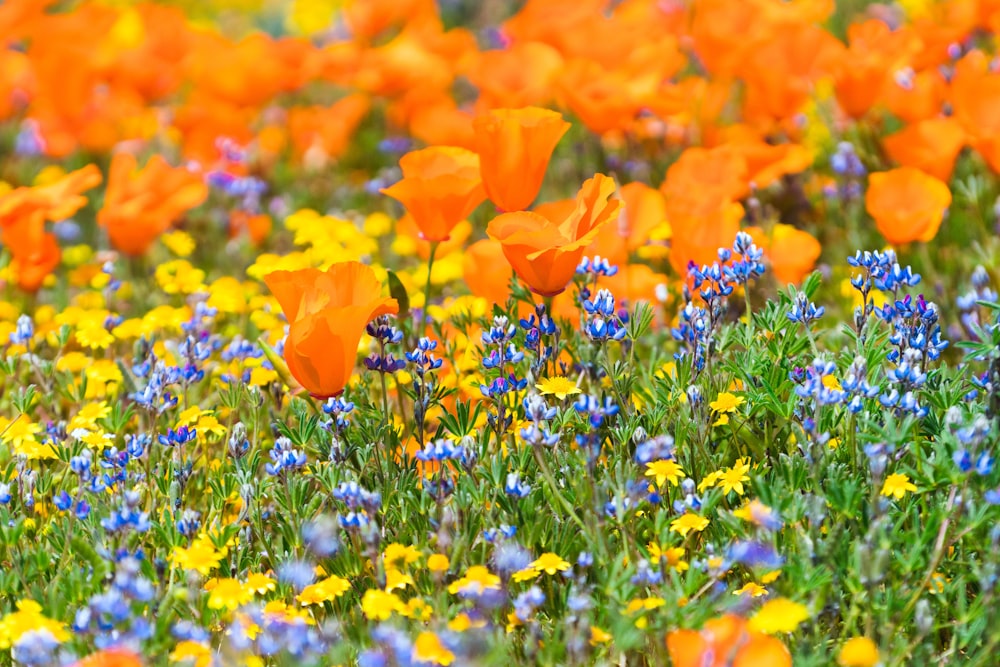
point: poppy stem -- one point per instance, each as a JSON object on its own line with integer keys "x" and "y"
{"x": 427, "y": 287}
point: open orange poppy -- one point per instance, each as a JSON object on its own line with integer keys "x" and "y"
{"x": 514, "y": 147}
{"x": 726, "y": 642}
{"x": 930, "y": 145}
{"x": 907, "y": 204}
{"x": 141, "y": 204}
{"x": 440, "y": 188}
{"x": 545, "y": 253}
{"x": 327, "y": 312}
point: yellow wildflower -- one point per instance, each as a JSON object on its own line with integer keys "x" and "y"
{"x": 858, "y": 652}
{"x": 557, "y": 386}
{"x": 779, "y": 615}
{"x": 726, "y": 402}
{"x": 665, "y": 470}
{"x": 897, "y": 484}
{"x": 685, "y": 524}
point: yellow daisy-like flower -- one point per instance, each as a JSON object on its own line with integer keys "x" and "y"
{"x": 28, "y": 617}
{"x": 19, "y": 434}
{"x": 726, "y": 402}
{"x": 428, "y": 648}
{"x": 896, "y": 485}
{"x": 259, "y": 583}
{"x": 557, "y": 386}
{"x": 464, "y": 622}
{"x": 685, "y": 524}
{"x": 665, "y": 470}
{"x": 438, "y": 563}
{"x": 178, "y": 242}
{"x": 527, "y": 574}
{"x": 476, "y": 580}
{"x": 550, "y": 563}
{"x": 779, "y": 615}
{"x": 179, "y": 277}
{"x": 228, "y": 594}
{"x": 732, "y": 479}
{"x": 201, "y": 556}
{"x": 378, "y": 605}
{"x": 94, "y": 337}
{"x": 192, "y": 652}
{"x": 751, "y": 589}
{"x": 710, "y": 480}
{"x": 397, "y": 580}
{"x": 598, "y": 636}
{"x": 858, "y": 652}
{"x": 396, "y": 553}
{"x": 326, "y": 590}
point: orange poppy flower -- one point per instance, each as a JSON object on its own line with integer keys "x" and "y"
{"x": 726, "y": 642}
{"x": 697, "y": 235}
{"x": 930, "y": 145}
{"x": 875, "y": 51}
{"x": 907, "y": 204}
{"x": 327, "y": 312}
{"x": 257, "y": 226}
{"x": 545, "y": 253}
{"x": 321, "y": 133}
{"x": 514, "y": 147}
{"x": 35, "y": 253}
{"x": 643, "y": 209}
{"x": 486, "y": 271}
{"x": 54, "y": 202}
{"x": 792, "y": 252}
{"x": 139, "y": 205}
{"x": 916, "y": 97}
{"x": 112, "y": 657}
{"x": 601, "y": 99}
{"x": 440, "y": 188}
{"x": 519, "y": 76}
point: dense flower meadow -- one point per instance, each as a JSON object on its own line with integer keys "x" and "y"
{"x": 566, "y": 332}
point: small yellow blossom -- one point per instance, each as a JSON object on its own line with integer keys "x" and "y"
{"x": 28, "y": 617}
{"x": 751, "y": 589}
{"x": 201, "y": 556}
{"x": 397, "y": 580}
{"x": 858, "y": 652}
{"x": 228, "y": 594}
{"x": 732, "y": 479}
{"x": 779, "y": 615}
{"x": 326, "y": 590}
{"x": 557, "y": 386}
{"x": 476, "y": 580}
{"x": 550, "y": 563}
{"x": 379, "y": 605}
{"x": 192, "y": 653}
{"x": 437, "y": 563}
{"x": 685, "y": 524}
{"x": 180, "y": 243}
{"x": 896, "y": 485}
{"x": 710, "y": 480}
{"x": 598, "y": 636}
{"x": 726, "y": 403}
{"x": 394, "y": 553}
{"x": 527, "y": 574}
{"x": 428, "y": 648}
{"x": 259, "y": 583}
{"x": 664, "y": 470}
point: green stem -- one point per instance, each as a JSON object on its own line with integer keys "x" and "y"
{"x": 427, "y": 287}
{"x": 550, "y": 480}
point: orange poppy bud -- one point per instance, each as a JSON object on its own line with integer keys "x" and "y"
{"x": 327, "y": 312}
{"x": 907, "y": 204}
{"x": 139, "y": 205}
{"x": 545, "y": 253}
{"x": 112, "y": 657}
{"x": 440, "y": 188}
{"x": 514, "y": 147}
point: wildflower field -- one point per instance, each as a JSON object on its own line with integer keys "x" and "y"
{"x": 398, "y": 333}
